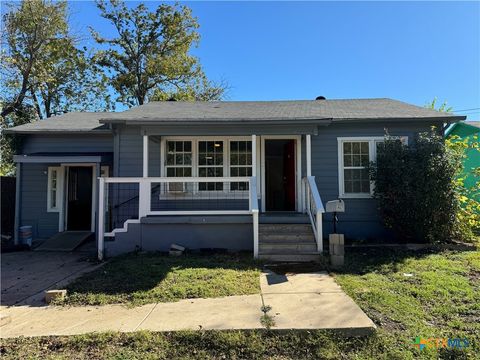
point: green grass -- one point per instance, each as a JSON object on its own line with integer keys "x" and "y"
{"x": 142, "y": 278}
{"x": 441, "y": 299}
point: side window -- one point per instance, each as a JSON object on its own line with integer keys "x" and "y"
{"x": 54, "y": 188}
{"x": 356, "y": 159}
{"x": 355, "y": 155}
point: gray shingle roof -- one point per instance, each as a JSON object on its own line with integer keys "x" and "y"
{"x": 242, "y": 111}
{"x": 71, "y": 122}
{"x": 336, "y": 110}
{"x": 473, "y": 123}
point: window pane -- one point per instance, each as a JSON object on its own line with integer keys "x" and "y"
{"x": 187, "y": 146}
{"x": 364, "y": 148}
{"x": 364, "y": 160}
{"x": 347, "y": 160}
{"x": 233, "y": 159}
{"x": 355, "y": 148}
{"x": 347, "y": 148}
{"x": 187, "y": 159}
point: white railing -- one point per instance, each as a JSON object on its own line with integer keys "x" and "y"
{"x": 180, "y": 196}
{"x": 314, "y": 208}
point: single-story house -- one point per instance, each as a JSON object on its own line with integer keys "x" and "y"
{"x": 238, "y": 175}
{"x": 468, "y": 130}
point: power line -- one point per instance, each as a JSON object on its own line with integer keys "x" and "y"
{"x": 467, "y": 109}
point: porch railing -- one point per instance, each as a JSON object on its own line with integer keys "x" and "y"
{"x": 314, "y": 208}
{"x": 125, "y": 200}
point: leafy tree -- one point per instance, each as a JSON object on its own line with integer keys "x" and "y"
{"x": 28, "y": 30}
{"x": 23, "y": 114}
{"x": 442, "y": 108}
{"x": 151, "y": 53}
{"x": 200, "y": 90}
{"x": 43, "y": 66}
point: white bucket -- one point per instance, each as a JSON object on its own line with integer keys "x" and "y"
{"x": 26, "y": 235}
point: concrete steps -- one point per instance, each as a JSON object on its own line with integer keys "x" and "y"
{"x": 287, "y": 242}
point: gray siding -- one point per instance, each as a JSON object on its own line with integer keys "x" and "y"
{"x": 90, "y": 143}
{"x": 33, "y": 206}
{"x": 360, "y": 220}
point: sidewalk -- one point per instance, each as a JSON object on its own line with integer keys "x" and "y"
{"x": 301, "y": 301}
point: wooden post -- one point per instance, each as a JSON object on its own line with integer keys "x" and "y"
{"x": 254, "y": 155}
{"x": 101, "y": 217}
{"x": 145, "y": 155}
{"x": 319, "y": 232}
{"x": 144, "y": 198}
{"x": 309, "y": 154}
{"x": 255, "y": 233}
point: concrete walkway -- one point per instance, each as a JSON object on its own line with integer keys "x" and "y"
{"x": 301, "y": 301}
{"x": 26, "y": 275}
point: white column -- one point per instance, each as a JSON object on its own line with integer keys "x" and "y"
{"x": 254, "y": 155}
{"x": 255, "y": 234}
{"x": 319, "y": 232}
{"x": 101, "y": 221}
{"x": 309, "y": 154}
{"x": 145, "y": 155}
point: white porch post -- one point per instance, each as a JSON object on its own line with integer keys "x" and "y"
{"x": 101, "y": 213}
{"x": 254, "y": 155}
{"x": 309, "y": 154}
{"x": 145, "y": 155}
{"x": 255, "y": 233}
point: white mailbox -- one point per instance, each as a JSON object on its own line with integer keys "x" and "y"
{"x": 335, "y": 206}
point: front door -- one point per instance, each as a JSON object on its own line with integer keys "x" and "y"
{"x": 79, "y": 198}
{"x": 280, "y": 175}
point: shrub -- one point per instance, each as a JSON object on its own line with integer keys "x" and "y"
{"x": 417, "y": 189}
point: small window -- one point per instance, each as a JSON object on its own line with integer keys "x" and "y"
{"x": 54, "y": 188}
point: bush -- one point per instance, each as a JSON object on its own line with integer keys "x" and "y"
{"x": 417, "y": 189}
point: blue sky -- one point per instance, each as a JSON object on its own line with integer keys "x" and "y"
{"x": 411, "y": 51}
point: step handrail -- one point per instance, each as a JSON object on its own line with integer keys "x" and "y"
{"x": 315, "y": 209}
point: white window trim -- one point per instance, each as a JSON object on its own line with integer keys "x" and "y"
{"x": 195, "y": 144}
{"x": 59, "y": 189}
{"x": 372, "y": 154}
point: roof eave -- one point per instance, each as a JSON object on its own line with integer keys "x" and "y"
{"x": 53, "y": 131}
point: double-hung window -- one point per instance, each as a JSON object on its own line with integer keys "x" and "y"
{"x": 178, "y": 162}
{"x": 210, "y": 164}
{"x": 354, "y": 157}
{"x": 240, "y": 163}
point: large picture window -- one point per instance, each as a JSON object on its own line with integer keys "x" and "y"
{"x": 354, "y": 157}
{"x": 208, "y": 157}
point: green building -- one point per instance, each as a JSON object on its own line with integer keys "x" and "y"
{"x": 468, "y": 129}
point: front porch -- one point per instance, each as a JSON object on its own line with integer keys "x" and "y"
{"x": 211, "y": 186}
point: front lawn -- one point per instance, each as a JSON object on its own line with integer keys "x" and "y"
{"x": 136, "y": 279}
{"x": 407, "y": 294}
